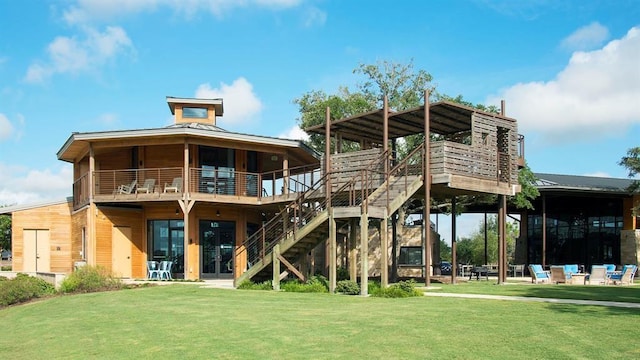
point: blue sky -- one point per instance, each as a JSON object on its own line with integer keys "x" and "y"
{"x": 568, "y": 70}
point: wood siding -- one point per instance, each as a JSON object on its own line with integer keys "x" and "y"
{"x": 56, "y": 219}
{"x": 106, "y": 219}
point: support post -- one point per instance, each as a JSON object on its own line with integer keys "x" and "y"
{"x": 384, "y": 251}
{"x": 332, "y": 253}
{"x": 544, "y": 231}
{"x": 454, "y": 258}
{"x": 502, "y": 243}
{"x": 426, "y": 179}
{"x": 394, "y": 247}
{"x": 275, "y": 262}
{"x": 364, "y": 254}
{"x": 353, "y": 256}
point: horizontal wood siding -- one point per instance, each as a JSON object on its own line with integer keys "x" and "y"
{"x": 164, "y": 156}
{"x": 106, "y": 219}
{"x": 56, "y": 219}
{"x": 345, "y": 166}
{"x": 78, "y": 221}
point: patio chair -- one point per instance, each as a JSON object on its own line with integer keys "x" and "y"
{"x": 598, "y": 275}
{"x": 538, "y": 274}
{"x": 152, "y": 270}
{"x": 147, "y": 187}
{"x": 623, "y": 277}
{"x": 175, "y": 186}
{"x": 164, "y": 271}
{"x": 559, "y": 275}
{"x": 127, "y": 189}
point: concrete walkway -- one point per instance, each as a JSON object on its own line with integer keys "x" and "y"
{"x": 537, "y": 299}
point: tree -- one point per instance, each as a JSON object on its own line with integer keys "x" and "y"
{"x": 632, "y": 163}
{"x": 471, "y": 250}
{"x": 5, "y": 232}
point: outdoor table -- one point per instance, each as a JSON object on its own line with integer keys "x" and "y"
{"x": 580, "y": 278}
{"x": 479, "y": 271}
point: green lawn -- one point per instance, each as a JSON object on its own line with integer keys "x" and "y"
{"x": 187, "y": 322}
{"x": 582, "y": 292}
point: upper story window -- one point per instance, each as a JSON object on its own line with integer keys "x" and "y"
{"x": 194, "y": 112}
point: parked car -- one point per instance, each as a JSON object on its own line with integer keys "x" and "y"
{"x": 445, "y": 268}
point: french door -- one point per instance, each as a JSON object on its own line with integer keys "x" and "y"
{"x": 217, "y": 239}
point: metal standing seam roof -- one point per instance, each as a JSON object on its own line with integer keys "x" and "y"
{"x": 550, "y": 182}
{"x": 193, "y": 129}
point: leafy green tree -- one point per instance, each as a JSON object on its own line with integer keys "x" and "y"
{"x": 5, "y": 232}
{"x": 445, "y": 251}
{"x": 471, "y": 250}
{"x": 632, "y": 163}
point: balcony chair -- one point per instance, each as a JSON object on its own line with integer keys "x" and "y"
{"x": 147, "y": 187}
{"x": 175, "y": 186}
{"x": 598, "y": 275}
{"x": 225, "y": 180}
{"x": 164, "y": 271}
{"x": 152, "y": 270}
{"x": 127, "y": 189}
{"x": 623, "y": 277}
{"x": 538, "y": 274}
{"x": 560, "y": 275}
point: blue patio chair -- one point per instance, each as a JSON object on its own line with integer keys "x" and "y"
{"x": 152, "y": 270}
{"x": 164, "y": 272}
{"x": 538, "y": 274}
{"x": 625, "y": 276}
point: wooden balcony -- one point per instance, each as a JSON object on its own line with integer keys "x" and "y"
{"x": 215, "y": 184}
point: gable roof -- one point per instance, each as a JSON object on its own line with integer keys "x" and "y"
{"x": 13, "y": 208}
{"x": 551, "y": 182}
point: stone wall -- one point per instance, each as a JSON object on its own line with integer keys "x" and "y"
{"x": 630, "y": 247}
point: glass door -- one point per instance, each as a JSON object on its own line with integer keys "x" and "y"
{"x": 166, "y": 243}
{"x": 217, "y": 239}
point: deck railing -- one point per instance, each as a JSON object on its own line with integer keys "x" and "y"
{"x": 81, "y": 191}
{"x": 136, "y": 181}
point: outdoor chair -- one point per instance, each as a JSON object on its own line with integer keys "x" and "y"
{"x": 560, "y": 275}
{"x": 127, "y": 189}
{"x": 175, "y": 186}
{"x": 152, "y": 270}
{"x": 598, "y": 275}
{"x": 164, "y": 271}
{"x": 623, "y": 277}
{"x": 147, "y": 187}
{"x": 538, "y": 274}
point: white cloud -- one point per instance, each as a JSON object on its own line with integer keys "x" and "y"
{"x": 587, "y": 37}
{"x": 73, "y": 55}
{"x": 241, "y": 105}
{"x": 6, "y": 128}
{"x": 86, "y": 11}
{"x": 314, "y": 17}
{"x": 20, "y": 185}
{"x": 294, "y": 133}
{"x": 595, "y": 94}
{"x": 108, "y": 119}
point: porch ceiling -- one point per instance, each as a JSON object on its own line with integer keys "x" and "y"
{"x": 445, "y": 118}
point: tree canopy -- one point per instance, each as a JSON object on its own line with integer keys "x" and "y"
{"x": 632, "y": 163}
{"x": 5, "y": 232}
{"x": 471, "y": 250}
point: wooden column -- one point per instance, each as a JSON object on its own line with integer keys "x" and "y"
{"x": 188, "y": 248}
{"x": 364, "y": 254}
{"x": 426, "y": 179}
{"x": 502, "y": 243}
{"x": 394, "y": 247}
{"x": 327, "y": 154}
{"x": 275, "y": 262}
{"x": 353, "y": 256}
{"x": 333, "y": 252}
{"x": 454, "y": 258}
{"x": 544, "y": 231}
{"x": 91, "y": 211}
{"x": 385, "y": 144}
{"x": 285, "y": 174}
{"x": 384, "y": 251}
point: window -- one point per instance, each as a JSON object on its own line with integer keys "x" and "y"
{"x": 83, "y": 248}
{"x": 410, "y": 255}
{"x": 194, "y": 112}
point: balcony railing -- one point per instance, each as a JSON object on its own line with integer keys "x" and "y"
{"x": 133, "y": 184}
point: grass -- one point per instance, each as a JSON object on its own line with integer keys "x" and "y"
{"x": 186, "y": 321}
{"x": 581, "y": 292}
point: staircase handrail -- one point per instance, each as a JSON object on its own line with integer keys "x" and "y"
{"x": 304, "y": 208}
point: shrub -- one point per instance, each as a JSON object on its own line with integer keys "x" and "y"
{"x": 400, "y": 289}
{"x": 6, "y": 268}
{"x": 250, "y": 285}
{"x": 23, "y": 288}
{"x": 348, "y": 287}
{"x": 342, "y": 273}
{"x": 90, "y": 279}
{"x": 315, "y": 284}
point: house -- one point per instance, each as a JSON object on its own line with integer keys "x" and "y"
{"x": 582, "y": 220}
{"x": 221, "y": 204}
